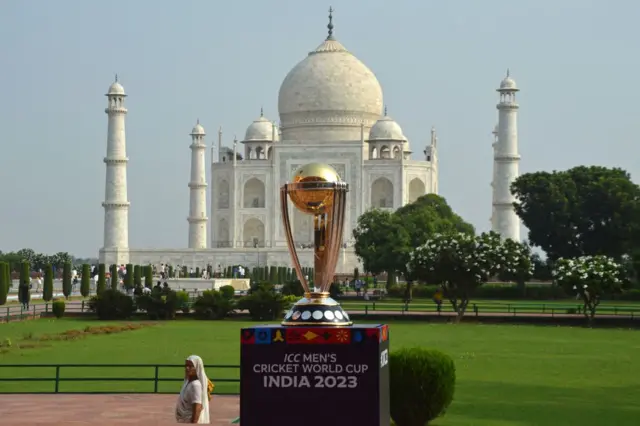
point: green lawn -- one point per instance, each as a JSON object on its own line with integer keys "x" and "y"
{"x": 507, "y": 375}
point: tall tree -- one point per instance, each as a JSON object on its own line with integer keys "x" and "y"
{"x": 85, "y": 280}
{"x": 4, "y": 285}
{"x": 47, "y": 289}
{"x": 115, "y": 279}
{"x": 582, "y": 211}
{"x": 24, "y": 293}
{"x": 102, "y": 278}
{"x": 66, "y": 279}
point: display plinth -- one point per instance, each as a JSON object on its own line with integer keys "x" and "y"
{"x": 316, "y": 376}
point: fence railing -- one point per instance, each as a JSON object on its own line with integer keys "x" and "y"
{"x": 138, "y": 379}
{"x": 478, "y": 308}
{"x": 488, "y": 308}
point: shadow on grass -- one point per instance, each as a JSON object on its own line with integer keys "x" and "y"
{"x": 480, "y": 403}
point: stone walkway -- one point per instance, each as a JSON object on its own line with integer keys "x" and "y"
{"x": 85, "y": 409}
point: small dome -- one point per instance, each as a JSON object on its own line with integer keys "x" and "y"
{"x": 386, "y": 129}
{"x": 261, "y": 130}
{"x": 508, "y": 83}
{"x": 116, "y": 89}
{"x": 198, "y": 129}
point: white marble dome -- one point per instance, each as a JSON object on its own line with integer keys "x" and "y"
{"x": 198, "y": 130}
{"x": 260, "y": 130}
{"x": 386, "y": 129}
{"x": 329, "y": 88}
{"x": 116, "y": 89}
{"x": 508, "y": 83}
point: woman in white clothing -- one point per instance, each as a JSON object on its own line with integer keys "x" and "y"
{"x": 193, "y": 402}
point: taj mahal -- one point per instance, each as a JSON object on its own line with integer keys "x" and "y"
{"x": 331, "y": 111}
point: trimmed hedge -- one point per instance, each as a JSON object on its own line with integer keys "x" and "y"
{"x": 508, "y": 292}
{"x": 421, "y": 384}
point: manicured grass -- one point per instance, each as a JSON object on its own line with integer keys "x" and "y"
{"x": 507, "y": 375}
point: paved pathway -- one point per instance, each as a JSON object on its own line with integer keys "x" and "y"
{"x": 85, "y": 409}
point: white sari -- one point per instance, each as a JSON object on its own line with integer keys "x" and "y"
{"x": 194, "y": 392}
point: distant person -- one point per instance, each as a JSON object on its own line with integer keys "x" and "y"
{"x": 193, "y": 402}
{"x": 437, "y": 299}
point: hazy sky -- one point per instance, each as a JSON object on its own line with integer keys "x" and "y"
{"x": 576, "y": 62}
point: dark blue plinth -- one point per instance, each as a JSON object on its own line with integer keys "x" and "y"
{"x": 315, "y": 376}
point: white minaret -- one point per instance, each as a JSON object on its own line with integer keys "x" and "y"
{"x": 116, "y": 206}
{"x": 198, "y": 190}
{"x": 492, "y": 219}
{"x": 506, "y": 159}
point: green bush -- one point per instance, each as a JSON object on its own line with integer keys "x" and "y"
{"x": 421, "y": 384}
{"x": 4, "y": 284}
{"x": 85, "y": 280}
{"x": 228, "y": 291}
{"x": 213, "y": 305}
{"x": 335, "y": 291}
{"x": 66, "y": 279}
{"x": 292, "y": 288}
{"x": 58, "y": 307}
{"x": 112, "y": 305}
{"x": 264, "y": 304}
{"x": 160, "y": 304}
{"x": 183, "y": 298}
{"x": 102, "y": 278}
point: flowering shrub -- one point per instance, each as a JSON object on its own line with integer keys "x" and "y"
{"x": 590, "y": 277}
{"x": 460, "y": 263}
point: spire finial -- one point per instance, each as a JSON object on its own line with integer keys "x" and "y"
{"x": 197, "y": 121}
{"x": 385, "y": 110}
{"x": 116, "y": 77}
{"x": 508, "y": 72}
{"x": 330, "y": 25}
{"x": 261, "y": 112}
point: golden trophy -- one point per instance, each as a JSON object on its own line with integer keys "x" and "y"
{"x": 316, "y": 189}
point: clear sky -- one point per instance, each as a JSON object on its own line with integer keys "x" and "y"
{"x": 439, "y": 62}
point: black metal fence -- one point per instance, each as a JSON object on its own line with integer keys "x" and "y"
{"x": 136, "y": 382}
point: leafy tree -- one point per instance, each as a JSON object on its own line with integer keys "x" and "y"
{"x": 541, "y": 268}
{"x": 460, "y": 263}
{"x": 385, "y": 240}
{"x": 582, "y": 211}
{"x": 518, "y": 257}
{"x": 4, "y": 285}
{"x": 590, "y": 277}
{"x": 381, "y": 242}
{"x": 115, "y": 279}
{"x": 85, "y": 280}
{"x": 102, "y": 278}
{"x": 66, "y": 279}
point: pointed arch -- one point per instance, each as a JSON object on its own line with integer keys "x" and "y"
{"x": 223, "y": 194}
{"x": 223, "y": 234}
{"x": 254, "y": 194}
{"x": 417, "y": 189}
{"x": 382, "y": 193}
{"x": 253, "y": 233}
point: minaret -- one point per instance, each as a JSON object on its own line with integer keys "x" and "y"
{"x": 506, "y": 160}
{"x": 115, "y": 249}
{"x": 493, "y": 178}
{"x": 198, "y": 190}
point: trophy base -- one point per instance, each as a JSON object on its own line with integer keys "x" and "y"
{"x": 316, "y": 310}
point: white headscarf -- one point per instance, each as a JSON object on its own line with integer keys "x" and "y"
{"x": 204, "y": 382}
